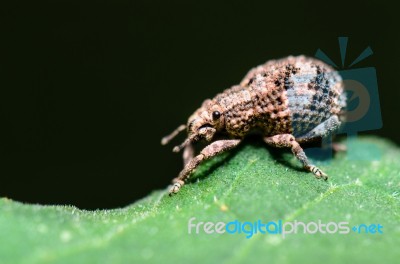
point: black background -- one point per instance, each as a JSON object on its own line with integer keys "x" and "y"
{"x": 87, "y": 90}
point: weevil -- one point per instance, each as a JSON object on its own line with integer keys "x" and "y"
{"x": 290, "y": 101}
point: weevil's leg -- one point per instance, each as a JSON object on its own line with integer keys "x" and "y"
{"x": 288, "y": 141}
{"x": 188, "y": 154}
{"x": 211, "y": 150}
{"x": 324, "y": 129}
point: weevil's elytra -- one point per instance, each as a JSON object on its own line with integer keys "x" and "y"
{"x": 290, "y": 101}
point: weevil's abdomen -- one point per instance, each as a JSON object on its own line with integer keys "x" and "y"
{"x": 292, "y": 95}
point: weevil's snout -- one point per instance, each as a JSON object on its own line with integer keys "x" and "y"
{"x": 206, "y": 132}
{"x": 203, "y": 124}
{"x": 197, "y": 130}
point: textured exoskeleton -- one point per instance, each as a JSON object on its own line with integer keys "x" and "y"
{"x": 290, "y": 101}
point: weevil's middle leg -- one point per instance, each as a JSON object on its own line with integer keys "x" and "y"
{"x": 210, "y": 151}
{"x": 288, "y": 141}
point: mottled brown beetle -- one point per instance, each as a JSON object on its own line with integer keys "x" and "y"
{"x": 290, "y": 101}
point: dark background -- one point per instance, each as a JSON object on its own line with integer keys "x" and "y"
{"x": 88, "y": 90}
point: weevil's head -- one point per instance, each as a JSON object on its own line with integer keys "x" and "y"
{"x": 203, "y": 124}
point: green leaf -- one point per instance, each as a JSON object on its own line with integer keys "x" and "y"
{"x": 251, "y": 183}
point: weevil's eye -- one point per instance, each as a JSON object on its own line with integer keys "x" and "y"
{"x": 216, "y": 115}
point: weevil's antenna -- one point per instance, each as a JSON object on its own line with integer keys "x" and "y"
{"x": 181, "y": 146}
{"x": 166, "y": 139}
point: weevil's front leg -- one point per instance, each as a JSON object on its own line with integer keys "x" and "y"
{"x": 211, "y": 150}
{"x": 188, "y": 154}
{"x": 288, "y": 141}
